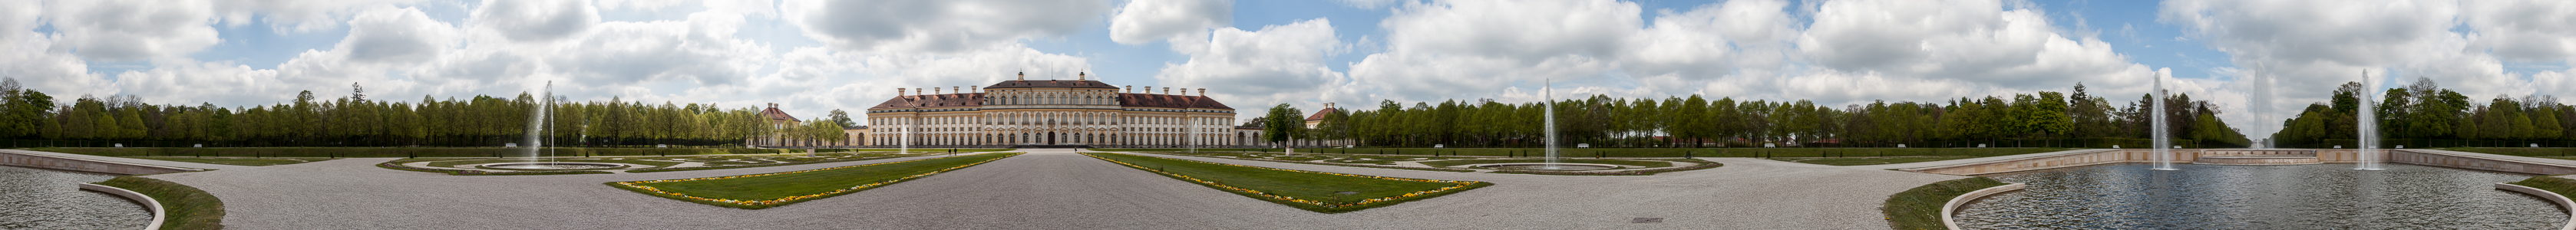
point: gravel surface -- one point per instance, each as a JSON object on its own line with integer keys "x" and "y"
{"x": 1052, "y": 189}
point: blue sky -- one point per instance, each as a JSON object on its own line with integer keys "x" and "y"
{"x": 813, "y": 56}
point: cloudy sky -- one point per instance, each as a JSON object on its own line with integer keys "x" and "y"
{"x": 812, "y": 56}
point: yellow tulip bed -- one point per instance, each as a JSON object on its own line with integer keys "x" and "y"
{"x": 766, "y": 190}
{"x": 1310, "y": 190}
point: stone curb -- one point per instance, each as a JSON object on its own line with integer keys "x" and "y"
{"x": 1947, "y": 219}
{"x": 158, "y": 214}
{"x": 2561, "y": 200}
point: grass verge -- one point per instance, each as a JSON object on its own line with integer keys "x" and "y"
{"x": 1313, "y": 191}
{"x": 1703, "y": 164}
{"x": 1321, "y": 163}
{"x": 1920, "y": 208}
{"x": 751, "y": 165}
{"x": 2562, "y": 186}
{"x": 348, "y": 152}
{"x": 1662, "y": 152}
{"x": 236, "y": 160}
{"x": 188, "y": 207}
{"x": 1850, "y": 161}
{"x": 759, "y": 191}
{"x": 398, "y": 165}
{"x": 450, "y": 164}
{"x": 1447, "y": 163}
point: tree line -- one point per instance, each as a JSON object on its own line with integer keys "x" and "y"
{"x": 355, "y": 120}
{"x": 2426, "y": 115}
{"x": 2040, "y": 119}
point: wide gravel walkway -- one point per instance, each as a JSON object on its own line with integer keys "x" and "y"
{"x": 1050, "y": 189}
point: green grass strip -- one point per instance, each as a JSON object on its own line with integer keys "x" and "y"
{"x": 759, "y": 191}
{"x": 188, "y": 207}
{"x": 1920, "y": 208}
{"x": 713, "y": 167}
{"x": 1238, "y": 157}
{"x": 1447, "y": 163}
{"x": 2562, "y": 186}
{"x": 1851, "y": 161}
{"x": 1309, "y": 190}
{"x": 236, "y": 161}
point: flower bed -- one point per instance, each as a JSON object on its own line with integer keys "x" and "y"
{"x": 1347, "y": 165}
{"x": 1309, "y": 181}
{"x": 398, "y": 165}
{"x": 756, "y": 180}
{"x": 748, "y": 165}
{"x": 1703, "y": 164}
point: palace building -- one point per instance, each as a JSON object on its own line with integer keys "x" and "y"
{"x": 1053, "y": 113}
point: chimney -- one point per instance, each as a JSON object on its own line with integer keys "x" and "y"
{"x": 898, "y": 92}
{"x": 955, "y": 88}
{"x": 936, "y": 90}
{"x": 1168, "y": 91}
{"x": 1202, "y": 92}
{"x": 1130, "y": 89}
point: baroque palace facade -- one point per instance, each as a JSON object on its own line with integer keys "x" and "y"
{"x": 1079, "y": 112}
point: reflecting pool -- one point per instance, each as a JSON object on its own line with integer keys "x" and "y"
{"x": 52, "y": 199}
{"x": 2317, "y": 196}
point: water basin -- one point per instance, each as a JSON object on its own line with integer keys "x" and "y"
{"x": 2314, "y": 196}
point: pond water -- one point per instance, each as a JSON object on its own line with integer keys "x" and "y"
{"x": 2318, "y": 196}
{"x": 52, "y": 199}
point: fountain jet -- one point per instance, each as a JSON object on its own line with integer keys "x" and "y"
{"x": 2163, "y": 154}
{"x": 1548, "y": 103}
{"x": 2367, "y": 121}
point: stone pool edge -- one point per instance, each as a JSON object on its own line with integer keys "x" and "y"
{"x": 1949, "y": 219}
{"x": 2561, "y": 200}
{"x": 158, "y": 214}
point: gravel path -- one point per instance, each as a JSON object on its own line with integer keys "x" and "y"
{"x": 1052, "y": 189}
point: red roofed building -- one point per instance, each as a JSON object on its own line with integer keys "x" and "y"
{"x": 1023, "y": 112}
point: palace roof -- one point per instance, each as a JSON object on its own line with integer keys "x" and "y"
{"x": 1169, "y": 101}
{"x": 932, "y": 101}
{"x": 1051, "y": 84}
{"x": 1319, "y": 114}
{"x": 773, "y": 114}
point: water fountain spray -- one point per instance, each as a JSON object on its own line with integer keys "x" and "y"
{"x": 2260, "y": 104}
{"x": 2367, "y": 121}
{"x": 537, "y": 120}
{"x": 2163, "y": 154}
{"x": 1548, "y": 103}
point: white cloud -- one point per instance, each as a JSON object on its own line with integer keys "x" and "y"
{"x": 536, "y": 20}
{"x": 121, "y": 30}
{"x": 1279, "y": 63}
{"x": 1144, "y": 21}
{"x": 1683, "y": 50}
{"x": 938, "y": 26}
{"x": 296, "y": 15}
{"x": 2524, "y": 29}
{"x": 1974, "y": 41}
{"x": 1469, "y": 49}
{"x": 34, "y": 59}
{"x": 401, "y": 35}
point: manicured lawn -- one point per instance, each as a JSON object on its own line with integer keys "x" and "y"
{"x": 1448, "y": 163}
{"x": 1313, "y": 191}
{"x": 2562, "y": 186}
{"x": 1850, "y": 161}
{"x": 236, "y": 160}
{"x": 1920, "y": 208}
{"x": 451, "y": 164}
{"x": 188, "y": 207}
{"x": 758, "y": 191}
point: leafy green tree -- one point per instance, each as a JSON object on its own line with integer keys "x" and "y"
{"x": 1284, "y": 124}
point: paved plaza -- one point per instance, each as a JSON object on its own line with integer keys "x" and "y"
{"x": 1048, "y": 189}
